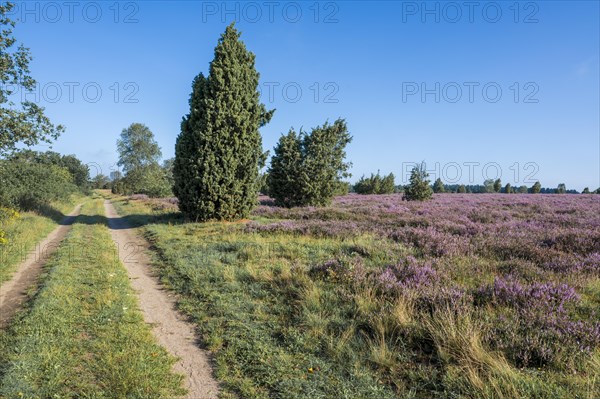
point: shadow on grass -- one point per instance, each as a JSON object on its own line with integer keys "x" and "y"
{"x": 91, "y": 220}
{"x": 51, "y": 212}
{"x": 129, "y": 221}
{"x": 126, "y": 222}
{"x": 139, "y": 220}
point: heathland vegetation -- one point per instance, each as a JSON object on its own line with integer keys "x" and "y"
{"x": 487, "y": 296}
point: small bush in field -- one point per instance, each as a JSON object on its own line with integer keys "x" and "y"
{"x": 438, "y": 186}
{"x": 341, "y": 270}
{"x": 418, "y": 189}
{"x": 408, "y": 275}
{"x": 376, "y": 184}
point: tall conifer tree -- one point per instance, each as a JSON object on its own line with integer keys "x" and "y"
{"x": 219, "y": 150}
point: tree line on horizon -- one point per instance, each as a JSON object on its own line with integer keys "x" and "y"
{"x": 385, "y": 184}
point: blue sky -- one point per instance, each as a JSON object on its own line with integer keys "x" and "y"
{"x": 474, "y": 92}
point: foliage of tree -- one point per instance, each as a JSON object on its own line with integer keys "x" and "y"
{"x": 376, "y": 184}
{"x": 344, "y": 187}
{"x": 488, "y": 186}
{"x": 137, "y": 148}
{"x": 461, "y": 189}
{"x": 149, "y": 179}
{"x": 24, "y": 122}
{"x": 79, "y": 171}
{"x": 561, "y": 189}
{"x": 115, "y": 175}
{"x": 28, "y": 185}
{"x": 418, "y": 188}
{"x": 218, "y": 153}
{"x": 100, "y": 181}
{"x": 536, "y": 188}
{"x": 285, "y": 176}
{"x": 308, "y": 168}
{"x": 263, "y": 187}
{"x": 438, "y": 186}
{"x": 586, "y": 190}
{"x": 139, "y": 156}
{"x": 497, "y": 186}
{"x": 523, "y": 189}
{"x": 508, "y": 188}
{"x": 167, "y": 167}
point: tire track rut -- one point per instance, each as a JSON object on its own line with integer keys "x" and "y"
{"x": 172, "y": 331}
{"x": 13, "y": 293}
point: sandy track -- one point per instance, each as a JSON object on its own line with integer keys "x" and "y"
{"x": 158, "y": 306}
{"x": 13, "y": 293}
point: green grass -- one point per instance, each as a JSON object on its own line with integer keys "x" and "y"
{"x": 83, "y": 335}
{"x": 278, "y": 331}
{"x": 29, "y": 229}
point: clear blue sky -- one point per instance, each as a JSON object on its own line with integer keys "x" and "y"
{"x": 370, "y": 62}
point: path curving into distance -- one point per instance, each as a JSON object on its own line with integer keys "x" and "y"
{"x": 172, "y": 331}
{"x": 13, "y": 293}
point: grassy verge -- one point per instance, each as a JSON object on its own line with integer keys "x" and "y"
{"x": 282, "y": 328}
{"x": 83, "y": 335}
{"x": 24, "y": 232}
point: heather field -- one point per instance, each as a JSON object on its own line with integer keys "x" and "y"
{"x": 487, "y": 295}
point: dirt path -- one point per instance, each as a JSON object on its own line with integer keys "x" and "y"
{"x": 13, "y": 293}
{"x": 158, "y": 306}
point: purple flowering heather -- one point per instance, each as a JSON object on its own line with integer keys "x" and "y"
{"x": 512, "y": 293}
{"x": 540, "y": 252}
{"x": 550, "y": 231}
{"x": 139, "y": 197}
{"x": 540, "y": 327}
{"x": 408, "y": 275}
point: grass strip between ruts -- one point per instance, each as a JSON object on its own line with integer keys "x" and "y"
{"x": 83, "y": 335}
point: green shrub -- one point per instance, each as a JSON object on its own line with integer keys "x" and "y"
{"x": 119, "y": 187}
{"x": 418, "y": 189}
{"x": 308, "y": 168}
{"x": 438, "y": 186}
{"x": 536, "y": 188}
{"x": 342, "y": 188}
{"x": 79, "y": 172}
{"x": 150, "y": 180}
{"x": 376, "y": 184}
{"x": 28, "y": 185}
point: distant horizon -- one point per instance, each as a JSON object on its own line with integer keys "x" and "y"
{"x": 420, "y": 88}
